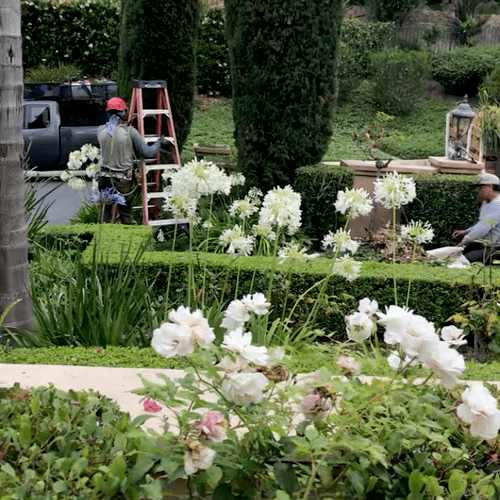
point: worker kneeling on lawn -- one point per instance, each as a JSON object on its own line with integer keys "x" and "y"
{"x": 481, "y": 242}
{"x": 120, "y": 145}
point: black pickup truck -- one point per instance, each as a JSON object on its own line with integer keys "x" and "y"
{"x": 61, "y": 117}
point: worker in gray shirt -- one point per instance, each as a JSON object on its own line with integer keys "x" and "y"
{"x": 482, "y": 241}
{"x": 120, "y": 145}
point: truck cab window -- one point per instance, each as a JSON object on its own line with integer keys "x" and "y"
{"x": 37, "y": 117}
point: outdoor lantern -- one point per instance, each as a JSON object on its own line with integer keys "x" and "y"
{"x": 459, "y": 131}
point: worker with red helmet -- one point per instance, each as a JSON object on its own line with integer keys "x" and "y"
{"x": 120, "y": 145}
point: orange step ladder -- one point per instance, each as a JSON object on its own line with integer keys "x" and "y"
{"x": 152, "y": 191}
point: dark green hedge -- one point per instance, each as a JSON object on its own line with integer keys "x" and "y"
{"x": 447, "y": 202}
{"x": 319, "y": 186}
{"x": 433, "y": 292}
{"x": 283, "y": 71}
{"x": 213, "y": 77}
{"x": 79, "y": 32}
{"x": 462, "y": 70}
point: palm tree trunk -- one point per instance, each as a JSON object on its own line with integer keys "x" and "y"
{"x": 14, "y": 277}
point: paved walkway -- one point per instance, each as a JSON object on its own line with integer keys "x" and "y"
{"x": 114, "y": 383}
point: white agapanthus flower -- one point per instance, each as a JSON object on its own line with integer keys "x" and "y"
{"x": 293, "y": 252}
{"x": 244, "y": 208}
{"x": 453, "y": 335}
{"x": 266, "y": 232}
{"x": 237, "y": 179}
{"x": 347, "y": 268}
{"x": 244, "y": 388}
{"x": 340, "y": 240}
{"x": 281, "y": 208}
{"x": 236, "y": 241}
{"x": 76, "y": 160}
{"x": 200, "y": 178}
{"x": 479, "y": 408}
{"x": 394, "y": 190}
{"x": 417, "y": 231}
{"x": 77, "y": 182}
{"x": 359, "y": 326}
{"x": 91, "y": 152}
{"x": 92, "y": 170}
{"x": 239, "y": 343}
{"x": 180, "y": 204}
{"x": 354, "y": 202}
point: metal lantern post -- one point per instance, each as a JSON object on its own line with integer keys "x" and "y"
{"x": 459, "y": 131}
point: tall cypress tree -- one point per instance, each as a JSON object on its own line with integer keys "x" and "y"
{"x": 158, "y": 41}
{"x": 283, "y": 57}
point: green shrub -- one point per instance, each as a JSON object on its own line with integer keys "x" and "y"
{"x": 319, "y": 186}
{"x": 283, "y": 72}
{"x": 80, "y": 32}
{"x": 68, "y": 446}
{"x": 433, "y": 295}
{"x": 447, "y": 202}
{"x": 212, "y": 59}
{"x": 158, "y": 41}
{"x": 359, "y": 40}
{"x": 462, "y": 70}
{"x": 492, "y": 84}
{"x": 399, "y": 80}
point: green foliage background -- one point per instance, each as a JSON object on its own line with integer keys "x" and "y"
{"x": 77, "y": 32}
{"x": 283, "y": 63}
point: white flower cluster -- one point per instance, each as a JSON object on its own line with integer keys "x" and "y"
{"x": 185, "y": 332}
{"x": 419, "y": 340}
{"x": 341, "y": 241}
{"x": 281, "y": 208}
{"x": 417, "y": 231}
{"x": 195, "y": 179}
{"x": 279, "y": 211}
{"x": 236, "y": 241}
{"x": 394, "y": 190}
{"x": 84, "y": 159}
{"x": 420, "y": 343}
{"x": 354, "y": 202}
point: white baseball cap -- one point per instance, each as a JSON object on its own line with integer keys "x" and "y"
{"x": 484, "y": 179}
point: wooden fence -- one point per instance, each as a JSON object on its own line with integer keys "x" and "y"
{"x": 414, "y": 35}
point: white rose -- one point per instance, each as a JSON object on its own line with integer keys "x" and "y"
{"x": 240, "y": 343}
{"x": 359, "y": 326}
{"x": 479, "y": 408}
{"x": 172, "y": 340}
{"x": 198, "y": 457}
{"x": 243, "y": 388}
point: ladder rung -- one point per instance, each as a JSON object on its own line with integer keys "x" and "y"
{"x": 162, "y": 166}
{"x": 155, "y": 112}
{"x": 168, "y": 222}
{"x": 156, "y": 195}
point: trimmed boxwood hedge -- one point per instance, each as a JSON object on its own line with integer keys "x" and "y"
{"x": 319, "y": 186}
{"x": 447, "y": 202}
{"x": 436, "y": 292}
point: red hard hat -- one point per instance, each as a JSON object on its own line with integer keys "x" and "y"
{"x": 116, "y": 103}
